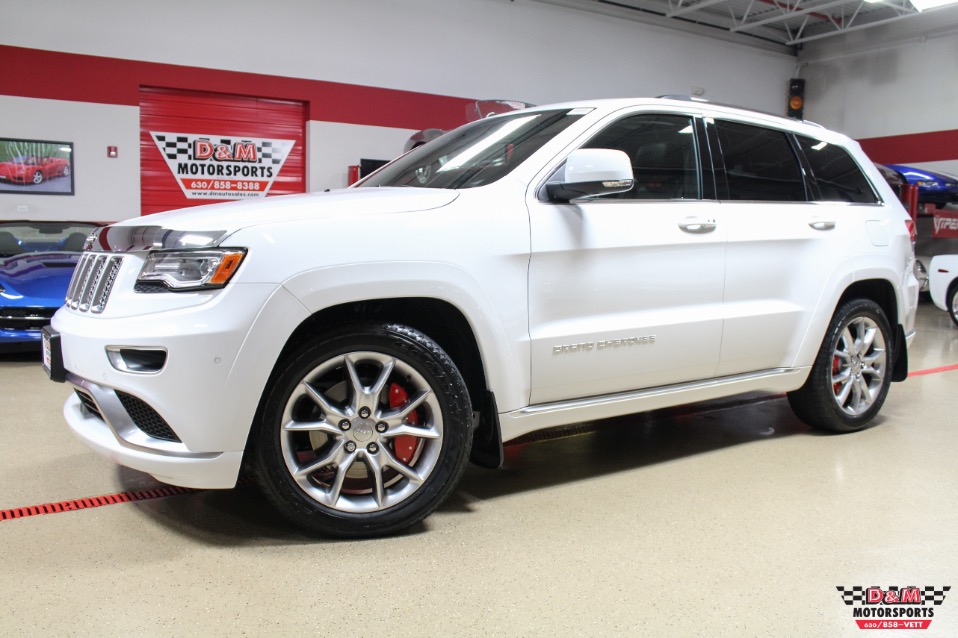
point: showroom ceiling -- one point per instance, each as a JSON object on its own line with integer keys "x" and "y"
{"x": 785, "y": 22}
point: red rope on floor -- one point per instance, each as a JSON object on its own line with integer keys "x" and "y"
{"x": 917, "y": 373}
{"x": 94, "y": 501}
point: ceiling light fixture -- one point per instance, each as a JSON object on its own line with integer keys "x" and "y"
{"x": 924, "y": 5}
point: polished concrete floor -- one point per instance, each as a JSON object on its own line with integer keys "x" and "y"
{"x": 733, "y": 520}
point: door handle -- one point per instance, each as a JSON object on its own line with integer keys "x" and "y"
{"x": 697, "y": 225}
{"x": 822, "y": 224}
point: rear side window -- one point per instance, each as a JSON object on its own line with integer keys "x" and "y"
{"x": 663, "y": 152}
{"x": 760, "y": 164}
{"x": 838, "y": 177}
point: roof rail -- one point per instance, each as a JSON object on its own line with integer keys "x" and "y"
{"x": 684, "y": 98}
{"x": 690, "y": 98}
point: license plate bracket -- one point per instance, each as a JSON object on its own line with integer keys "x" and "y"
{"x": 53, "y": 355}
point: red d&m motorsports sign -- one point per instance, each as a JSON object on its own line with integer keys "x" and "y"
{"x": 214, "y": 167}
{"x": 946, "y": 225}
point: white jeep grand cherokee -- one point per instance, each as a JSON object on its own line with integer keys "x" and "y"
{"x": 549, "y": 266}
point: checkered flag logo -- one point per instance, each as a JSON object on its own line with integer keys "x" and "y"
{"x": 852, "y": 595}
{"x": 935, "y": 596}
{"x": 173, "y": 147}
{"x": 180, "y": 147}
{"x": 930, "y": 594}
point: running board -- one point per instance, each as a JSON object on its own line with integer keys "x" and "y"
{"x": 546, "y": 415}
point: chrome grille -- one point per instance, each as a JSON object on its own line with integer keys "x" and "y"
{"x": 30, "y": 318}
{"x": 92, "y": 281}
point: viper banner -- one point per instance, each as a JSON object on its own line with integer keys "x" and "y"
{"x": 214, "y": 167}
{"x": 946, "y": 225}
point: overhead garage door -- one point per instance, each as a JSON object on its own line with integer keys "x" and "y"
{"x": 198, "y": 148}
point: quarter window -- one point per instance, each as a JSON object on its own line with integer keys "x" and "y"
{"x": 663, "y": 152}
{"x": 760, "y": 164}
{"x": 838, "y": 177}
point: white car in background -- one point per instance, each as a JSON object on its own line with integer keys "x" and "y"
{"x": 943, "y": 284}
{"x": 526, "y": 271}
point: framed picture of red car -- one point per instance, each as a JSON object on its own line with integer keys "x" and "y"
{"x": 36, "y": 167}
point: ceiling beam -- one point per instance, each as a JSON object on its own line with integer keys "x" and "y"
{"x": 789, "y": 13}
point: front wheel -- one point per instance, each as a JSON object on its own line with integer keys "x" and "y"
{"x": 851, "y": 375}
{"x": 365, "y": 432}
{"x": 953, "y": 302}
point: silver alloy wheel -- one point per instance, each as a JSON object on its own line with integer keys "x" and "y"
{"x": 338, "y": 432}
{"x": 38, "y": 177}
{"x": 859, "y": 362}
{"x": 954, "y": 304}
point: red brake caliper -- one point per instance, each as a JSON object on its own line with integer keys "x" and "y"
{"x": 404, "y": 447}
{"x": 836, "y": 364}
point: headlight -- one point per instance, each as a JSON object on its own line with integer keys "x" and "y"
{"x": 192, "y": 269}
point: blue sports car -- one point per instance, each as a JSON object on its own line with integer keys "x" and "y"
{"x": 933, "y": 188}
{"x": 37, "y": 260}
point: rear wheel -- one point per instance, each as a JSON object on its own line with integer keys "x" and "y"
{"x": 38, "y": 177}
{"x": 852, "y": 373}
{"x": 953, "y": 302}
{"x": 365, "y": 432}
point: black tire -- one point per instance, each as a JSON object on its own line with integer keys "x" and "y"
{"x": 325, "y": 462}
{"x": 852, "y": 372}
{"x": 952, "y": 300}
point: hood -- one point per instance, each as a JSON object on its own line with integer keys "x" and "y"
{"x": 36, "y": 278}
{"x": 232, "y": 216}
{"x": 206, "y": 226}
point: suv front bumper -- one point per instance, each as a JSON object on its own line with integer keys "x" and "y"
{"x": 100, "y": 421}
{"x": 186, "y": 423}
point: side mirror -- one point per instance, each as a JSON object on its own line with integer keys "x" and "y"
{"x": 589, "y": 172}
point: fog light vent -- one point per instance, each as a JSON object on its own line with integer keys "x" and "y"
{"x": 137, "y": 360}
{"x": 88, "y": 403}
{"x": 146, "y": 418}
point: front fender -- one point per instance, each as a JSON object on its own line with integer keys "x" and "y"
{"x": 497, "y": 316}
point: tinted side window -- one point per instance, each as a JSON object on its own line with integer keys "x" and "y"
{"x": 760, "y": 164}
{"x": 838, "y": 176}
{"x": 663, "y": 152}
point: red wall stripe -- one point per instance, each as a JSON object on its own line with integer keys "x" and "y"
{"x": 87, "y": 78}
{"x": 936, "y": 146}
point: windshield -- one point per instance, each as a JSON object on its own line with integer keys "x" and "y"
{"x": 475, "y": 154}
{"x": 41, "y": 237}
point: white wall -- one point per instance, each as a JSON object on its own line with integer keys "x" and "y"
{"x": 105, "y": 189}
{"x": 524, "y": 50}
{"x": 338, "y": 146}
{"x": 885, "y": 81}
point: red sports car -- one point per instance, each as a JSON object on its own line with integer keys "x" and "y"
{"x": 33, "y": 169}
